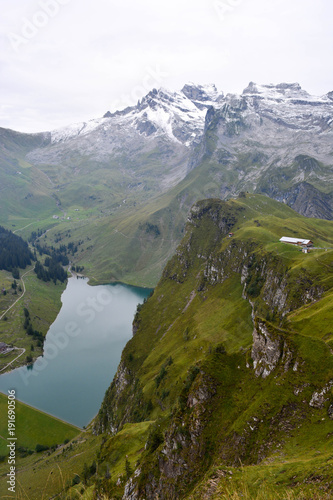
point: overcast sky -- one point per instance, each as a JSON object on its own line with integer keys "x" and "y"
{"x": 65, "y": 61}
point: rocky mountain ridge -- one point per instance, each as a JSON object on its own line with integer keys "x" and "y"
{"x": 275, "y": 140}
{"x": 185, "y": 106}
{"x": 163, "y": 124}
{"x": 277, "y": 133}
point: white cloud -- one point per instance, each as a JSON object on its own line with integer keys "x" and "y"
{"x": 87, "y": 56}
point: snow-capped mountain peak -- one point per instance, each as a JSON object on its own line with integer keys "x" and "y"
{"x": 178, "y": 115}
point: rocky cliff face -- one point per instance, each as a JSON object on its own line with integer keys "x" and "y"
{"x": 267, "y": 140}
{"x": 306, "y": 200}
{"x": 268, "y": 350}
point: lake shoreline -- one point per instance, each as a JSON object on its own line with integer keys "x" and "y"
{"x": 82, "y": 351}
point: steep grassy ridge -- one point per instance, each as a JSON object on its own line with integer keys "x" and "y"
{"x": 219, "y": 363}
{"x": 25, "y": 190}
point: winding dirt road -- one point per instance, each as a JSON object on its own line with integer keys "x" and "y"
{"x": 20, "y": 297}
{"x": 9, "y": 308}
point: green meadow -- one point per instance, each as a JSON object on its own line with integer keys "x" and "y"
{"x": 43, "y": 303}
{"x": 34, "y": 427}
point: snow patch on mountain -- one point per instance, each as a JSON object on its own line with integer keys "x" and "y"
{"x": 287, "y": 92}
{"x": 288, "y": 105}
{"x": 65, "y": 133}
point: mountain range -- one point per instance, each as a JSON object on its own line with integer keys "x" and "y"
{"x": 135, "y": 173}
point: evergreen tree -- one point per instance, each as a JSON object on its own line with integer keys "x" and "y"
{"x": 14, "y": 252}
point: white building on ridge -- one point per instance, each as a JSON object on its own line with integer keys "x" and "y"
{"x": 297, "y": 241}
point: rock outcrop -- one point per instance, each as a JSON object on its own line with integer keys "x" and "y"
{"x": 268, "y": 350}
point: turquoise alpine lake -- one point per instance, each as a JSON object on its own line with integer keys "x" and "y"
{"x": 82, "y": 351}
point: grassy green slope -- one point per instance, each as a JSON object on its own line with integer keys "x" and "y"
{"x": 100, "y": 203}
{"x": 119, "y": 246}
{"x": 25, "y": 190}
{"x": 34, "y": 471}
{"x": 191, "y": 366}
{"x": 43, "y": 303}
{"x": 33, "y": 427}
{"x": 48, "y": 473}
